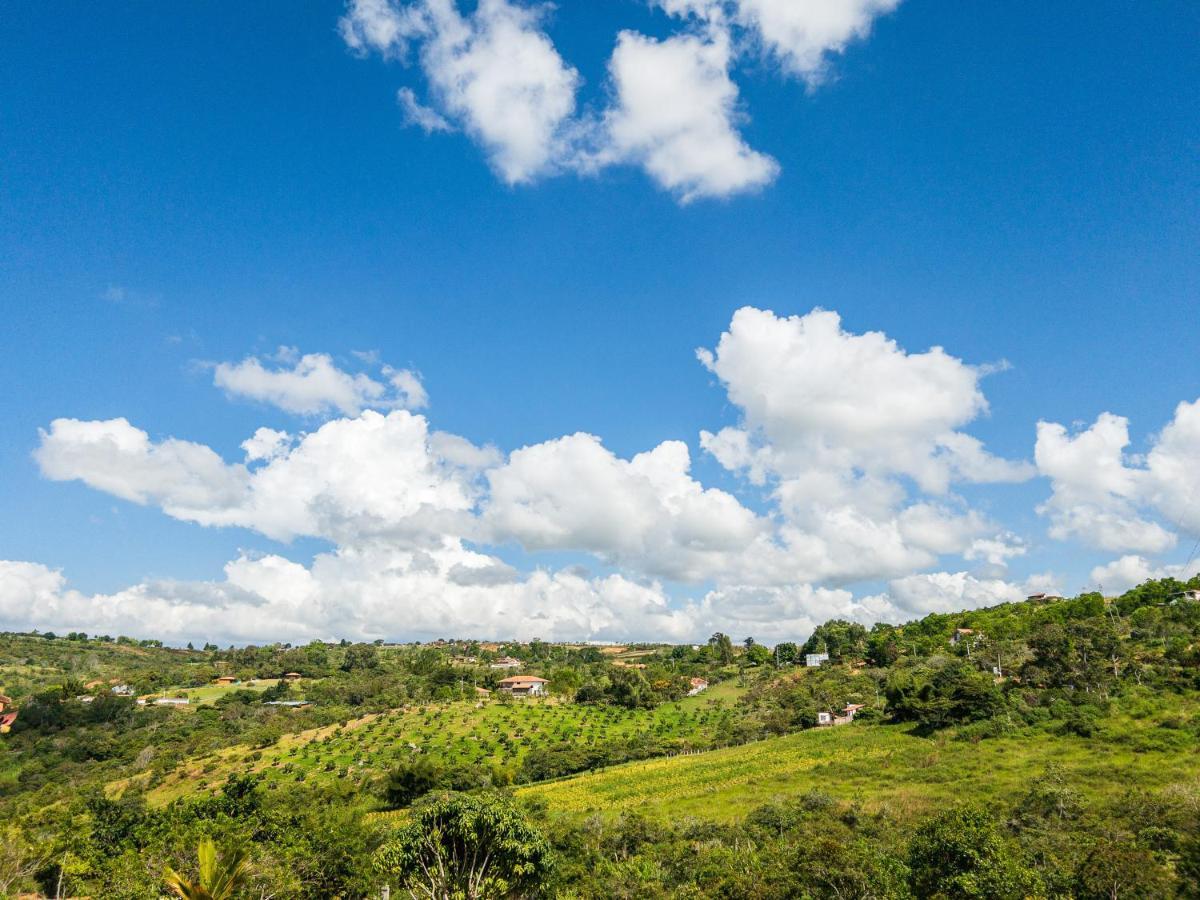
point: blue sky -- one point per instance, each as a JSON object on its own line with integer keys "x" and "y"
{"x": 181, "y": 187}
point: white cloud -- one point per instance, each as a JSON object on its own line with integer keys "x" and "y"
{"x": 676, "y": 113}
{"x": 835, "y": 422}
{"x": 1130, "y": 570}
{"x": 313, "y": 385}
{"x": 846, "y": 455}
{"x": 424, "y": 117}
{"x": 802, "y": 33}
{"x": 373, "y": 475}
{"x": 945, "y": 592}
{"x": 815, "y": 396}
{"x": 381, "y": 26}
{"x": 647, "y": 512}
{"x": 1097, "y": 496}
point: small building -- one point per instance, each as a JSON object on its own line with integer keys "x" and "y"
{"x": 482, "y": 692}
{"x": 1188, "y": 596}
{"x": 813, "y": 660}
{"x": 824, "y": 719}
{"x": 85, "y": 698}
{"x": 1043, "y": 598}
{"x": 225, "y": 679}
{"x": 506, "y": 662}
{"x": 851, "y": 709}
{"x": 171, "y": 701}
{"x": 289, "y": 704}
{"x": 6, "y": 721}
{"x": 291, "y": 676}
{"x": 122, "y": 690}
{"x": 5, "y": 702}
{"x": 962, "y": 634}
{"x": 523, "y": 686}
{"x": 696, "y": 686}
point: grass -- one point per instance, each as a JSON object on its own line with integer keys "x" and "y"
{"x": 883, "y": 767}
{"x": 489, "y": 733}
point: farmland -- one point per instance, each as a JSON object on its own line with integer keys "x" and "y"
{"x": 884, "y": 767}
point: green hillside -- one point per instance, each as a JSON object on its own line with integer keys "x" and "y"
{"x": 1047, "y": 748}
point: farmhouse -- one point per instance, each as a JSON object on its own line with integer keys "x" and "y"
{"x": 697, "y": 685}
{"x": 813, "y": 660}
{"x": 506, "y": 662}
{"x": 828, "y": 719}
{"x": 1043, "y": 598}
{"x": 523, "y": 686}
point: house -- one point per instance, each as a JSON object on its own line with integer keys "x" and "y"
{"x": 506, "y": 662}
{"x": 225, "y": 679}
{"x": 291, "y": 676}
{"x": 171, "y": 701}
{"x": 122, "y": 690}
{"x": 962, "y": 634}
{"x": 813, "y": 660}
{"x": 6, "y": 721}
{"x": 290, "y": 704}
{"x": 696, "y": 686}
{"x": 1043, "y": 598}
{"x": 523, "y": 686}
{"x": 85, "y": 698}
{"x": 1189, "y": 596}
{"x": 482, "y": 692}
{"x": 848, "y": 712}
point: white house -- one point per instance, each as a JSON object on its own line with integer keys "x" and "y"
{"x": 697, "y": 685}
{"x": 812, "y": 660}
{"x": 506, "y": 662}
{"x": 523, "y": 686}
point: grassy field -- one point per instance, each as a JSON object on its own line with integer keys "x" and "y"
{"x": 211, "y": 693}
{"x": 885, "y": 766}
{"x": 487, "y": 733}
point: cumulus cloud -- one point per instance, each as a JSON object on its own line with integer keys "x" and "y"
{"x": 312, "y": 385}
{"x": 494, "y": 72}
{"x": 647, "y": 512}
{"x": 944, "y": 592}
{"x": 676, "y": 113}
{"x": 838, "y": 424}
{"x": 1118, "y": 502}
{"x": 1130, "y": 570}
{"x": 674, "y": 106}
{"x": 354, "y": 478}
{"x": 846, "y": 454}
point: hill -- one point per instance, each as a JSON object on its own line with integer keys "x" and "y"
{"x": 1041, "y": 748}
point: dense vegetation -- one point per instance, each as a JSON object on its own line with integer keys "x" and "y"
{"x": 1043, "y": 748}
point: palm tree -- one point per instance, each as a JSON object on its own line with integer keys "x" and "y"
{"x": 220, "y": 876}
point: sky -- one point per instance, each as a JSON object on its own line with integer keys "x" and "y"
{"x": 611, "y": 321}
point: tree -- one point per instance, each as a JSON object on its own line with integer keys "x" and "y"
{"x": 721, "y": 647}
{"x": 411, "y": 780}
{"x": 360, "y": 656}
{"x": 221, "y": 874}
{"x": 961, "y": 855}
{"x": 786, "y": 654}
{"x": 1116, "y": 871}
{"x": 18, "y": 860}
{"x": 474, "y": 847}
